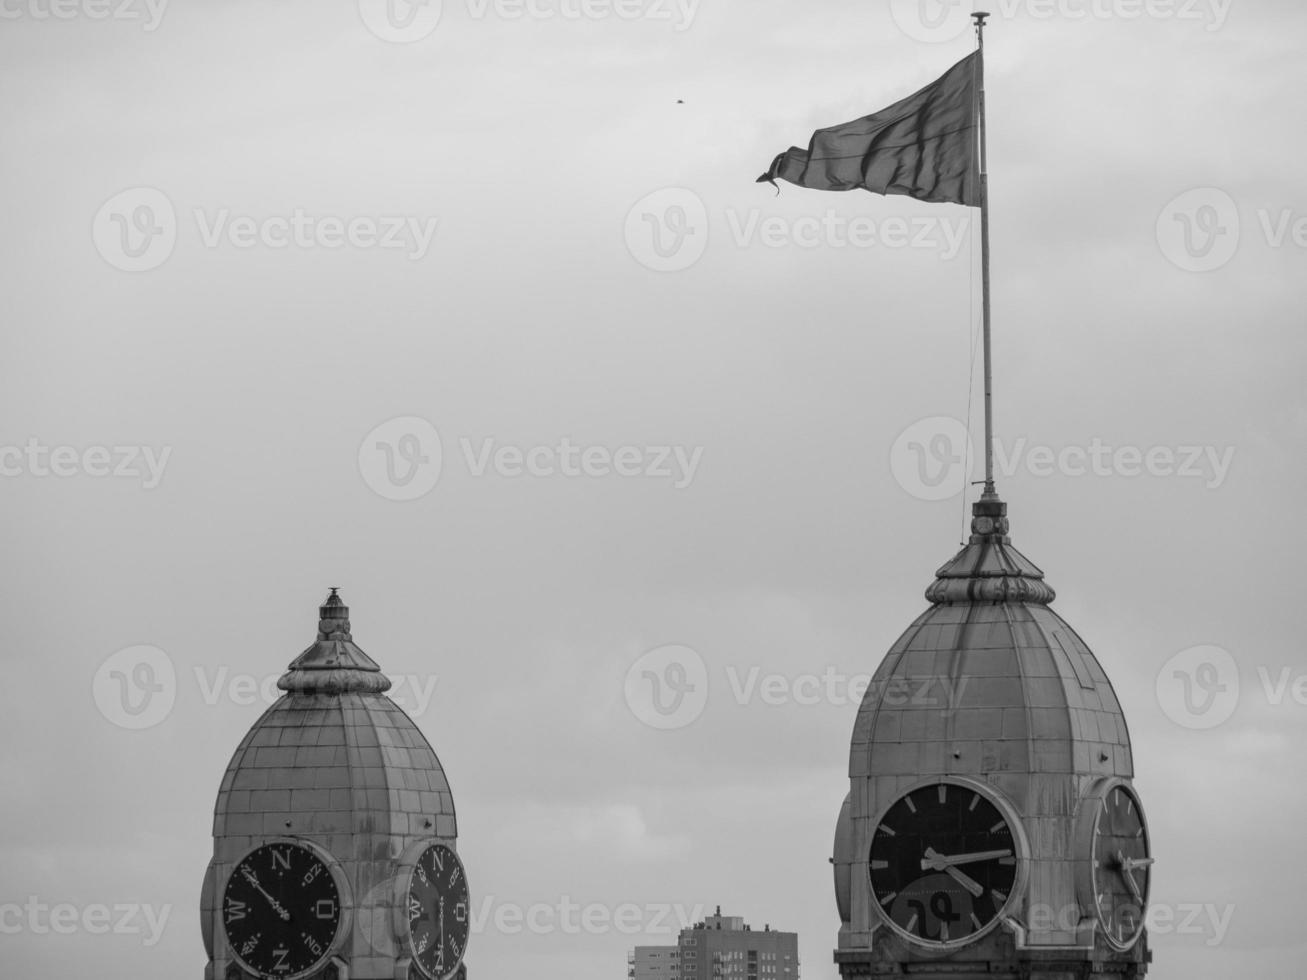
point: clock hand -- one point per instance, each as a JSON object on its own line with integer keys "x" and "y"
{"x": 1131, "y": 863}
{"x": 252, "y": 878}
{"x": 934, "y": 861}
{"x": 1130, "y": 882}
{"x": 938, "y": 861}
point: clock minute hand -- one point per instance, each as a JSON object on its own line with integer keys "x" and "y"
{"x": 946, "y": 859}
{"x": 276, "y": 905}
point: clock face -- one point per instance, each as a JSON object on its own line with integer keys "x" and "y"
{"x": 438, "y": 911}
{"x": 281, "y": 910}
{"x": 943, "y": 863}
{"x": 1122, "y": 866}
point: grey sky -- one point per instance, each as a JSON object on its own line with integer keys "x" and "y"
{"x": 532, "y": 317}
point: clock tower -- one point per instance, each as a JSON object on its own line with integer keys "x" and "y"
{"x": 334, "y": 835}
{"x": 992, "y": 828}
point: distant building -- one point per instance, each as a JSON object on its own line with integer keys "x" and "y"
{"x": 719, "y": 948}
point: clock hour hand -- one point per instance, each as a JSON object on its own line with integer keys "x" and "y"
{"x": 934, "y": 861}
{"x": 1131, "y": 863}
{"x": 252, "y": 878}
{"x": 442, "y": 929}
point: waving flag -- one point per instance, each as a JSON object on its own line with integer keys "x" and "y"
{"x": 924, "y": 146}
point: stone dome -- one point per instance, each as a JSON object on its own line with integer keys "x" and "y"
{"x": 335, "y": 759}
{"x": 989, "y": 679}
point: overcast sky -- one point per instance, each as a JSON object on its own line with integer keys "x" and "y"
{"x": 240, "y": 239}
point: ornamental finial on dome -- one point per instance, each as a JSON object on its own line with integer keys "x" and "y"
{"x": 988, "y": 568}
{"x": 333, "y": 664}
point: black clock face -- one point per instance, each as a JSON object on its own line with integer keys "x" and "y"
{"x": 943, "y": 863}
{"x": 1121, "y": 866}
{"x": 281, "y": 910}
{"x": 438, "y": 911}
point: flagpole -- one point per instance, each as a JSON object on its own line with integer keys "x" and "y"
{"x": 980, "y": 16}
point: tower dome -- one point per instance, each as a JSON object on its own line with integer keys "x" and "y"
{"x": 334, "y": 786}
{"x": 990, "y": 704}
{"x": 334, "y": 755}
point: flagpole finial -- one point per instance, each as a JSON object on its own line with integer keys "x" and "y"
{"x": 980, "y": 16}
